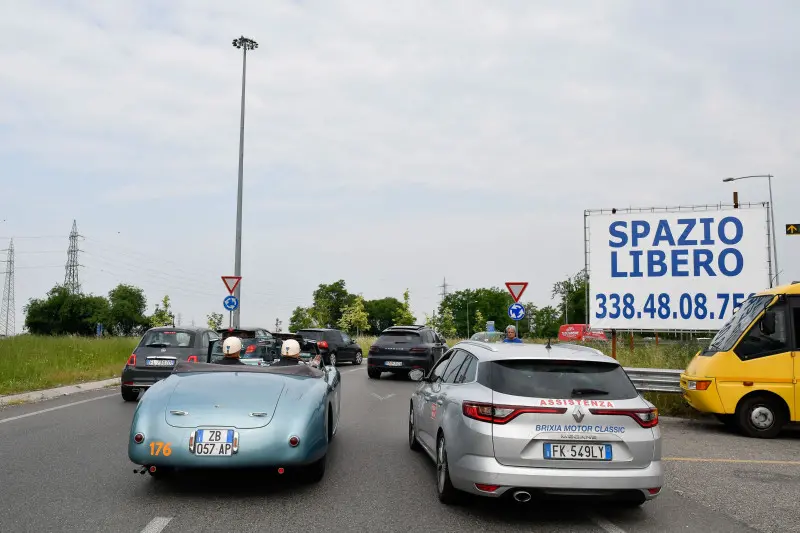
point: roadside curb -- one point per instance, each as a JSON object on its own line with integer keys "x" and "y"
{"x": 47, "y": 394}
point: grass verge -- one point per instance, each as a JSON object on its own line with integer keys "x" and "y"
{"x": 29, "y": 363}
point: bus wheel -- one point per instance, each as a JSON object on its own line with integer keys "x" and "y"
{"x": 761, "y": 417}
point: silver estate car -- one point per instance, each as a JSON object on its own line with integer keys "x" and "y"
{"x": 520, "y": 420}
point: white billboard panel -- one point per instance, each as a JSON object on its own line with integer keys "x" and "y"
{"x": 675, "y": 270}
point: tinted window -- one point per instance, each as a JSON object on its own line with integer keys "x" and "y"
{"x": 313, "y": 335}
{"x": 241, "y": 333}
{"x": 399, "y": 337}
{"x": 757, "y": 343}
{"x": 439, "y": 369}
{"x": 249, "y": 349}
{"x": 467, "y": 372}
{"x": 345, "y": 338}
{"x": 168, "y": 339}
{"x": 558, "y": 379}
{"x": 452, "y": 370}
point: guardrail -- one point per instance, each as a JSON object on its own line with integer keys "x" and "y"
{"x": 656, "y": 379}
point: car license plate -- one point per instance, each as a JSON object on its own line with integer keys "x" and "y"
{"x": 394, "y": 363}
{"x": 160, "y": 362}
{"x": 585, "y": 452}
{"x": 213, "y": 442}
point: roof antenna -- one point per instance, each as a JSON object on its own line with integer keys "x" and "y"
{"x": 548, "y": 343}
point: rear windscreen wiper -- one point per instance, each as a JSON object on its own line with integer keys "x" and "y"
{"x": 158, "y": 345}
{"x": 579, "y": 392}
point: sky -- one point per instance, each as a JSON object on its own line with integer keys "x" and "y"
{"x": 389, "y": 144}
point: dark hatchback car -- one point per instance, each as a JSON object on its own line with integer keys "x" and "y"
{"x": 335, "y": 345}
{"x": 400, "y": 349}
{"x": 157, "y": 352}
{"x": 257, "y": 343}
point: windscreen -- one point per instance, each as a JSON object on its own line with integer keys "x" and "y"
{"x": 727, "y": 336}
{"x": 241, "y": 333}
{"x": 168, "y": 339}
{"x": 246, "y": 343}
{"x": 313, "y": 335}
{"x": 399, "y": 337}
{"x": 558, "y": 379}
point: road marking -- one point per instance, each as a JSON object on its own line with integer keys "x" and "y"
{"x": 353, "y": 370}
{"x": 740, "y": 461}
{"x": 157, "y": 524}
{"x": 11, "y": 419}
{"x": 605, "y": 525}
{"x": 381, "y": 398}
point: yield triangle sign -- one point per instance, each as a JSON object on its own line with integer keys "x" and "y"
{"x": 516, "y": 288}
{"x": 231, "y": 282}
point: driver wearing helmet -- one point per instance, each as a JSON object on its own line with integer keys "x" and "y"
{"x": 290, "y": 354}
{"x": 232, "y": 348}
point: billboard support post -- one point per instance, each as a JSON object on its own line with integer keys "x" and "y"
{"x": 614, "y": 343}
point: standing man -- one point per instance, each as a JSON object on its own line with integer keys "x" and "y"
{"x": 231, "y": 348}
{"x": 511, "y": 335}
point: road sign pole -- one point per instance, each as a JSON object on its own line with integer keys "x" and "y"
{"x": 230, "y": 319}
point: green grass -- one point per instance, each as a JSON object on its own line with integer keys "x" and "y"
{"x": 29, "y": 363}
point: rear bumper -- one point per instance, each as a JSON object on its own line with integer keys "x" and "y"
{"x": 472, "y": 469}
{"x": 406, "y": 363}
{"x": 142, "y": 378}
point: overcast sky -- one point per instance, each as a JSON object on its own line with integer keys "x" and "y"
{"x": 391, "y": 144}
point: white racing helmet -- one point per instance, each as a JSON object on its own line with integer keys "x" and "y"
{"x": 290, "y": 348}
{"x": 232, "y": 345}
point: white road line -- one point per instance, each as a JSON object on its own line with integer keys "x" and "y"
{"x": 381, "y": 398}
{"x": 157, "y": 524}
{"x": 11, "y": 419}
{"x": 605, "y": 525}
{"x": 353, "y": 370}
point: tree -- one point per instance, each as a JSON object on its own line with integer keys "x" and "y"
{"x": 329, "y": 303}
{"x": 214, "y": 320}
{"x": 65, "y": 313}
{"x": 491, "y": 302}
{"x": 403, "y": 316}
{"x": 381, "y": 313}
{"x": 127, "y": 308}
{"x": 162, "y": 316}
{"x": 301, "y": 319}
{"x": 480, "y": 322}
{"x": 354, "y": 318}
{"x": 572, "y": 295}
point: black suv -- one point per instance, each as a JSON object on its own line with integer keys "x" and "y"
{"x": 336, "y": 346}
{"x": 257, "y": 343}
{"x": 400, "y": 349}
{"x": 157, "y": 352}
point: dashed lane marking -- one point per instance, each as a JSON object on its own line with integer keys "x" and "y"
{"x": 26, "y": 415}
{"x": 737, "y": 461}
{"x": 157, "y": 524}
{"x": 605, "y": 525}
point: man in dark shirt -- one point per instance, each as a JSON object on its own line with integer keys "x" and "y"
{"x": 232, "y": 348}
{"x": 290, "y": 354}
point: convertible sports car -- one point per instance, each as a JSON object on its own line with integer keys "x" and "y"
{"x": 207, "y": 415}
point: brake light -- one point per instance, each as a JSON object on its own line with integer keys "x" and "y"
{"x": 647, "y": 418}
{"x": 192, "y": 359}
{"x": 373, "y": 349}
{"x": 418, "y": 349}
{"x": 502, "y": 414}
{"x": 250, "y": 349}
{"x": 131, "y": 360}
{"x": 486, "y": 488}
{"x": 323, "y": 344}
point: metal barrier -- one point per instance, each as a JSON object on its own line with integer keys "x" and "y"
{"x": 656, "y": 379}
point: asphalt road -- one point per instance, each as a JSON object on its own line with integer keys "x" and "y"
{"x": 65, "y": 468}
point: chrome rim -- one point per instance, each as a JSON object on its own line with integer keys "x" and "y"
{"x": 333, "y": 359}
{"x": 441, "y": 468}
{"x": 762, "y": 417}
{"x": 358, "y": 357}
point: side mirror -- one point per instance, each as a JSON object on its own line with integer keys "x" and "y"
{"x": 768, "y": 323}
{"x": 352, "y": 341}
{"x": 416, "y": 375}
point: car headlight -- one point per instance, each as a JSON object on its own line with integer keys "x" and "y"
{"x": 698, "y": 384}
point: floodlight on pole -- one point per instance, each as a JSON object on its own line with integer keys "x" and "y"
{"x": 771, "y": 216}
{"x": 243, "y": 43}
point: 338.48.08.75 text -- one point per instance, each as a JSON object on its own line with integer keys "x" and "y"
{"x": 687, "y": 306}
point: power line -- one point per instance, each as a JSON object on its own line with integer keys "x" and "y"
{"x": 7, "y": 309}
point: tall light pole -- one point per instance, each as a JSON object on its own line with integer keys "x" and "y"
{"x": 244, "y": 44}
{"x": 771, "y": 216}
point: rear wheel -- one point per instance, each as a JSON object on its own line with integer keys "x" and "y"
{"x": 412, "y": 439}
{"x": 760, "y": 417}
{"x": 129, "y": 395}
{"x": 358, "y": 359}
{"x": 373, "y": 373}
{"x": 448, "y": 494}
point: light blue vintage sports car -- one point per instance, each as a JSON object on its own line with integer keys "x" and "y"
{"x": 208, "y": 415}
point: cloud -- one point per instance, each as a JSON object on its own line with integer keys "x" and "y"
{"x": 380, "y": 139}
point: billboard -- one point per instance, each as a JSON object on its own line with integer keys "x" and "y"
{"x": 674, "y": 270}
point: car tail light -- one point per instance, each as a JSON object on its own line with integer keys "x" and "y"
{"x": 138, "y": 438}
{"x": 250, "y": 349}
{"x": 502, "y": 414}
{"x": 294, "y": 441}
{"x": 418, "y": 349}
{"x": 131, "y": 360}
{"x": 323, "y": 344}
{"x": 373, "y": 349}
{"x": 192, "y": 359}
{"x": 647, "y": 418}
{"x": 654, "y": 491}
{"x": 486, "y": 488}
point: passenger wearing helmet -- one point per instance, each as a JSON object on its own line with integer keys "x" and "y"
{"x": 511, "y": 335}
{"x": 290, "y": 354}
{"x": 232, "y": 348}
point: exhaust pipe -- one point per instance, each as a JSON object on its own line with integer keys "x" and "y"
{"x": 522, "y": 496}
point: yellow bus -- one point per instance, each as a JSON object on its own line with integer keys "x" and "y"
{"x": 748, "y": 376}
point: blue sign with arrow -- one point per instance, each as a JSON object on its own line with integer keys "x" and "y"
{"x": 516, "y": 311}
{"x": 230, "y": 303}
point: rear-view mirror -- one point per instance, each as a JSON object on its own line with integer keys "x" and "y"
{"x": 416, "y": 375}
{"x": 768, "y": 323}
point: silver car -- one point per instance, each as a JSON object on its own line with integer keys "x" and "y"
{"x": 518, "y": 420}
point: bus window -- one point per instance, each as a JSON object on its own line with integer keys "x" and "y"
{"x": 764, "y": 337}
